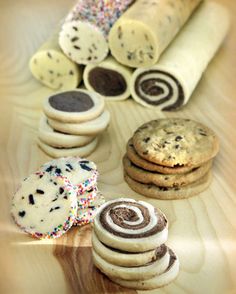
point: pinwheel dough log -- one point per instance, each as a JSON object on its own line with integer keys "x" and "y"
{"x": 53, "y": 68}
{"x": 83, "y": 37}
{"x": 169, "y": 84}
{"x": 142, "y": 33}
{"x": 109, "y": 78}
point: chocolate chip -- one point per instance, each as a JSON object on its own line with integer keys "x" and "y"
{"x": 61, "y": 190}
{"x": 40, "y": 176}
{"x": 177, "y": 146}
{"x": 146, "y": 139}
{"x": 70, "y": 166}
{"x": 39, "y": 191}
{"x": 65, "y": 197}
{"x": 22, "y": 197}
{"x": 31, "y": 199}
{"x": 166, "y": 178}
{"x": 55, "y": 183}
{"x": 57, "y": 207}
{"x": 94, "y": 46}
{"x": 85, "y": 167}
{"x": 75, "y": 28}
{"x": 50, "y": 71}
{"x": 89, "y": 58}
{"x": 21, "y": 213}
{"x": 120, "y": 32}
{"x": 51, "y": 210}
{"x": 74, "y": 39}
{"x": 76, "y": 47}
{"x": 71, "y": 72}
{"x": 145, "y": 152}
{"x": 202, "y": 134}
{"x": 55, "y": 199}
{"x": 50, "y": 168}
{"x": 49, "y": 54}
{"x": 58, "y": 171}
{"x": 163, "y": 188}
{"x": 178, "y": 138}
{"x": 41, "y": 220}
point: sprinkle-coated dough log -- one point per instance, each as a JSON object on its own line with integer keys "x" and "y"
{"x": 57, "y": 139}
{"x": 45, "y": 205}
{"x": 62, "y": 152}
{"x": 83, "y": 36}
{"x": 170, "y": 83}
{"x": 108, "y": 78}
{"x": 143, "y": 32}
{"x": 129, "y": 225}
{"x": 53, "y": 68}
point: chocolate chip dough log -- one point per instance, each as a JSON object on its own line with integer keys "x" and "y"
{"x": 53, "y": 68}
{"x": 129, "y": 225}
{"x": 142, "y": 33}
{"x": 83, "y": 37}
{"x": 169, "y": 84}
{"x": 109, "y": 78}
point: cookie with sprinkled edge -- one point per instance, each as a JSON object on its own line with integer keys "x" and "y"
{"x": 73, "y": 106}
{"x": 175, "y": 142}
{"x": 57, "y": 152}
{"x": 81, "y": 172}
{"x": 150, "y": 166}
{"x": 164, "y": 180}
{"x": 45, "y": 205}
{"x": 170, "y": 193}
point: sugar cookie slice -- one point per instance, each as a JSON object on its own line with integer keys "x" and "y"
{"x": 157, "y": 281}
{"x": 163, "y": 180}
{"x": 73, "y": 106}
{"x": 129, "y": 225}
{"x": 145, "y": 271}
{"x": 45, "y": 206}
{"x": 57, "y": 139}
{"x": 62, "y": 152}
{"x": 53, "y": 68}
{"x": 170, "y": 193}
{"x": 91, "y": 127}
{"x": 80, "y": 171}
{"x": 123, "y": 258}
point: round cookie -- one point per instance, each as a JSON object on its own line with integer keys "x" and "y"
{"x": 91, "y": 127}
{"x": 163, "y": 180}
{"x": 169, "y": 275}
{"x": 73, "y": 106}
{"x": 148, "y": 165}
{"x": 166, "y": 193}
{"x": 80, "y": 171}
{"x": 146, "y": 271}
{"x": 62, "y": 152}
{"x": 175, "y": 141}
{"x": 123, "y": 258}
{"x": 45, "y": 205}
{"x": 129, "y": 225}
{"x": 57, "y": 139}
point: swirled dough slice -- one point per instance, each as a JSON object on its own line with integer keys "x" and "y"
{"x": 143, "y": 32}
{"x": 170, "y": 83}
{"x": 53, "y": 68}
{"x": 129, "y": 225}
{"x": 57, "y": 139}
{"x": 45, "y": 205}
{"x": 108, "y": 78}
{"x": 145, "y": 271}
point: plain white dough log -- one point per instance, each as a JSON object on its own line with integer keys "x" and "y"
{"x": 108, "y": 78}
{"x": 170, "y": 83}
{"x": 53, "y": 68}
{"x": 83, "y": 37}
{"x": 143, "y": 32}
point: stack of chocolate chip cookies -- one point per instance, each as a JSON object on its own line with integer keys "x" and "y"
{"x": 170, "y": 158}
{"x": 128, "y": 245}
{"x": 71, "y": 122}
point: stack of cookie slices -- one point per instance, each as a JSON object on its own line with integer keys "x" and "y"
{"x": 170, "y": 158}
{"x": 128, "y": 245}
{"x": 71, "y": 122}
{"x": 61, "y": 194}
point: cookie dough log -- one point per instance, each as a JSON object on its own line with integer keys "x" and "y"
{"x": 83, "y": 37}
{"x": 53, "y": 68}
{"x": 170, "y": 83}
{"x": 143, "y": 32}
{"x": 108, "y": 78}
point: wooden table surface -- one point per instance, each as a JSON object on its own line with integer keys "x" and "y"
{"x": 202, "y": 229}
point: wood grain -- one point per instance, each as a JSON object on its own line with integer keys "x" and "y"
{"x": 202, "y": 229}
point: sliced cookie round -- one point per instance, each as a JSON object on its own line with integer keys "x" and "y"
{"x": 45, "y": 205}
{"x": 123, "y": 258}
{"x": 170, "y": 193}
{"x": 157, "y": 281}
{"x": 91, "y": 127}
{"x": 129, "y": 225}
{"x": 57, "y": 152}
{"x": 175, "y": 141}
{"x": 57, "y": 139}
{"x": 74, "y": 106}
{"x": 150, "y": 166}
{"x": 164, "y": 180}
{"x": 80, "y": 171}
{"x": 145, "y": 271}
